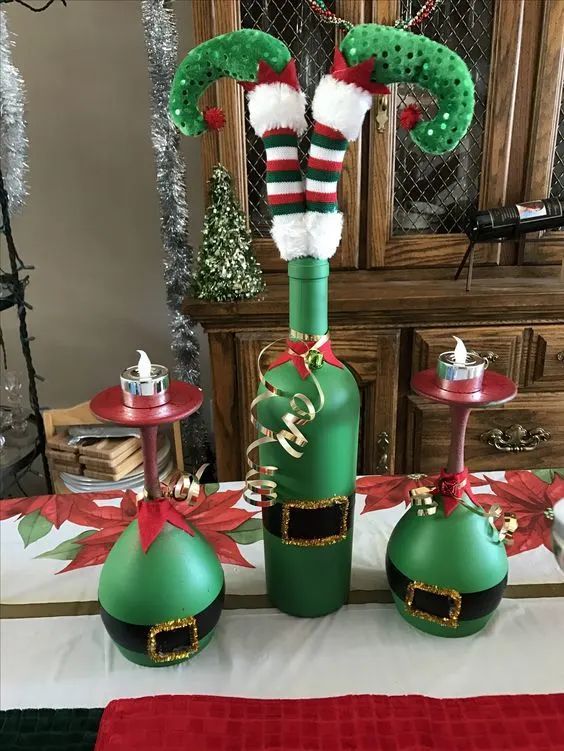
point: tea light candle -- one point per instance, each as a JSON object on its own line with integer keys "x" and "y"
{"x": 145, "y": 385}
{"x": 460, "y": 371}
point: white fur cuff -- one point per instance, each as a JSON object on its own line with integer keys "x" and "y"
{"x": 323, "y": 233}
{"x": 276, "y": 105}
{"x": 290, "y": 235}
{"x": 341, "y": 106}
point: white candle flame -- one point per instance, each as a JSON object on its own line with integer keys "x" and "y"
{"x": 144, "y": 365}
{"x": 460, "y": 351}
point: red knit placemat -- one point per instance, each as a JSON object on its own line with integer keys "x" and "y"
{"x": 346, "y": 723}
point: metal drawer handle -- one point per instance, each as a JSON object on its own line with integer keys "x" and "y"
{"x": 381, "y": 113}
{"x": 383, "y": 450}
{"x": 560, "y": 356}
{"x": 489, "y": 356}
{"x": 516, "y": 438}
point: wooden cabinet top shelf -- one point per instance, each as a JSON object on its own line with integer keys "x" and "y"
{"x": 388, "y": 298}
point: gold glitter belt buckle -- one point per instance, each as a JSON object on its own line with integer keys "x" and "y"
{"x": 174, "y": 625}
{"x": 455, "y": 604}
{"x": 315, "y": 542}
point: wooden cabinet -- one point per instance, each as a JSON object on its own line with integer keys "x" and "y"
{"x": 420, "y": 204}
{"x": 393, "y": 303}
{"x": 384, "y": 341}
{"x": 525, "y": 433}
{"x": 546, "y": 362}
{"x": 545, "y": 165}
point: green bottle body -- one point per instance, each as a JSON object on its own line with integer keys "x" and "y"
{"x": 460, "y": 552}
{"x": 179, "y": 576}
{"x": 311, "y": 580}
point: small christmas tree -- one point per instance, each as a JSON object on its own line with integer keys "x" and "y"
{"x": 226, "y": 267}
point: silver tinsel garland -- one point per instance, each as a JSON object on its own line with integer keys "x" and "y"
{"x": 162, "y": 50}
{"x": 13, "y": 140}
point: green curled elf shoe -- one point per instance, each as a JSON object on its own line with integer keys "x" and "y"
{"x": 161, "y": 588}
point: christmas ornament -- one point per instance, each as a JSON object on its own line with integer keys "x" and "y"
{"x": 307, "y": 408}
{"x": 162, "y": 587}
{"x": 13, "y": 139}
{"x": 226, "y": 267}
{"x": 162, "y": 48}
{"x": 446, "y": 561}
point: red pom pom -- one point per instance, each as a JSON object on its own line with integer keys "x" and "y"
{"x": 214, "y": 117}
{"x": 410, "y": 116}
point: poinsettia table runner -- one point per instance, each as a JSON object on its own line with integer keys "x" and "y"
{"x": 51, "y": 547}
{"x": 362, "y": 723}
{"x": 56, "y": 655}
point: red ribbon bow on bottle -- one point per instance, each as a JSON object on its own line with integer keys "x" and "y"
{"x": 298, "y": 353}
{"x": 153, "y": 515}
{"x": 452, "y": 487}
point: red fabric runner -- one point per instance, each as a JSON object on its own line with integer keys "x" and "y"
{"x": 351, "y": 723}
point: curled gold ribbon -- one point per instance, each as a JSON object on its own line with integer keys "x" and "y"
{"x": 425, "y": 505}
{"x": 260, "y": 490}
{"x": 422, "y": 499}
{"x": 508, "y": 528}
{"x": 180, "y": 486}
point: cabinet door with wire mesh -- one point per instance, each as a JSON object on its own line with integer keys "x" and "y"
{"x": 311, "y": 42}
{"x": 545, "y": 173}
{"x": 419, "y": 205}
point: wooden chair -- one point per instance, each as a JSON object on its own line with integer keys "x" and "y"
{"x": 81, "y": 414}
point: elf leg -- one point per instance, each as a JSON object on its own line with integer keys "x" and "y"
{"x": 277, "y": 115}
{"x": 340, "y": 103}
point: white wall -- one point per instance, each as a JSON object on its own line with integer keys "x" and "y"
{"x": 91, "y": 223}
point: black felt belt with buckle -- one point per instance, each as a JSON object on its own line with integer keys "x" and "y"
{"x": 167, "y": 641}
{"x": 310, "y": 523}
{"x": 441, "y": 604}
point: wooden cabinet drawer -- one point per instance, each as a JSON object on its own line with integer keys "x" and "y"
{"x": 503, "y": 346}
{"x": 372, "y": 356}
{"x": 546, "y": 360}
{"x": 429, "y": 432}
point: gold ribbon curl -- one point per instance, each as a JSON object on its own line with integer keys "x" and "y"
{"x": 290, "y": 437}
{"x": 180, "y": 486}
{"x": 425, "y": 505}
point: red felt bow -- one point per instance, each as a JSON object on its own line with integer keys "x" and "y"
{"x": 266, "y": 74}
{"x": 297, "y": 351}
{"x": 452, "y": 487}
{"x": 153, "y": 515}
{"x": 360, "y": 74}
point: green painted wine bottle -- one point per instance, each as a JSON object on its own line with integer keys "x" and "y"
{"x": 308, "y": 531}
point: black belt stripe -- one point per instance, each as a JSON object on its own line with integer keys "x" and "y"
{"x": 308, "y": 524}
{"x": 134, "y": 637}
{"x": 474, "y": 604}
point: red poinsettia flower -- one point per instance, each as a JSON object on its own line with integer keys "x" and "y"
{"x": 213, "y": 513}
{"x": 79, "y": 508}
{"x": 386, "y": 491}
{"x": 529, "y": 497}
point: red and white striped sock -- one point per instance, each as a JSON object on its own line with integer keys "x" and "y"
{"x": 324, "y": 166}
{"x": 284, "y": 182}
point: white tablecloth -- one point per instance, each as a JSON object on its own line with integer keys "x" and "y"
{"x": 71, "y": 662}
{"x": 68, "y": 660}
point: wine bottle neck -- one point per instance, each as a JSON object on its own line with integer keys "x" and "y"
{"x": 309, "y": 278}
